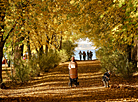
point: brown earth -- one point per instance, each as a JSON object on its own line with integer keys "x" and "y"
{"x": 53, "y": 87}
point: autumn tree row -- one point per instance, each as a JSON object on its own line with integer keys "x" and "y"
{"x": 111, "y": 25}
{"x": 113, "y": 28}
{"x": 36, "y": 24}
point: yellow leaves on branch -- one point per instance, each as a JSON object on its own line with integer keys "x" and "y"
{"x": 82, "y": 17}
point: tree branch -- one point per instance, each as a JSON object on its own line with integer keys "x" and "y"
{"x": 10, "y": 32}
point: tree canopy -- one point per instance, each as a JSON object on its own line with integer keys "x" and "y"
{"x": 101, "y": 21}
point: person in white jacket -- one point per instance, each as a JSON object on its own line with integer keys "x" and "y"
{"x": 73, "y": 74}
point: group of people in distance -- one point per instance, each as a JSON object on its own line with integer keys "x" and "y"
{"x": 89, "y": 55}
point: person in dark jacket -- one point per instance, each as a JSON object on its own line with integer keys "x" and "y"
{"x": 106, "y": 79}
{"x": 80, "y": 55}
{"x": 84, "y": 55}
{"x": 88, "y": 55}
{"x": 91, "y": 54}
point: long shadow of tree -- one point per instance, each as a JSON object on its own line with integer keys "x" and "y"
{"x": 53, "y": 86}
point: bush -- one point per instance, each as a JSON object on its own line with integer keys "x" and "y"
{"x": 48, "y": 61}
{"x": 24, "y": 70}
{"x": 63, "y": 55}
{"x": 124, "y": 67}
{"x": 69, "y": 47}
{"x": 117, "y": 62}
{"x": 27, "y": 69}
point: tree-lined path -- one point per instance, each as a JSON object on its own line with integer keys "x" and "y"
{"x": 37, "y": 35}
{"x": 53, "y": 86}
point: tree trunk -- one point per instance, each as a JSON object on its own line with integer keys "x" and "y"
{"x": 129, "y": 53}
{"x": 16, "y": 54}
{"x": 41, "y": 50}
{"x": 29, "y": 49}
{"x": 18, "y": 51}
{"x": 135, "y": 53}
{"x": 40, "y": 56}
{"x": 1, "y": 53}
{"x": 46, "y": 49}
{"x": 1, "y": 56}
{"x": 3, "y": 4}
{"x": 21, "y": 49}
{"x": 60, "y": 46}
{"x": 46, "y": 46}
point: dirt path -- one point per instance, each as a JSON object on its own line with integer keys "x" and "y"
{"x": 53, "y": 86}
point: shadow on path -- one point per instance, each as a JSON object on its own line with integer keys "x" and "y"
{"x": 53, "y": 87}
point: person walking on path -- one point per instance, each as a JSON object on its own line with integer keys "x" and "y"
{"x": 80, "y": 55}
{"x": 73, "y": 74}
{"x": 106, "y": 79}
{"x": 4, "y": 61}
{"x": 88, "y": 55}
{"x": 91, "y": 54}
{"x": 84, "y": 55}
